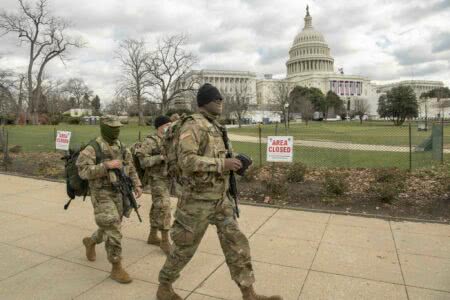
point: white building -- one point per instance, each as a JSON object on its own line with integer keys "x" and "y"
{"x": 418, "y": 86}
{"x": 79, "y": 112}
{"x": 310, "y": 64}
{"x": 430, "y": 108}
{"x": 229, "y": 83}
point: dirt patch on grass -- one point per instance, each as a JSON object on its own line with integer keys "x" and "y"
{"x": 42, "y": 164}
{"x": 423, "y": 193}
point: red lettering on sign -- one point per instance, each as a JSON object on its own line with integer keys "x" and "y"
{"x": 279, "y": 143}
{"x": 280, "y": 149}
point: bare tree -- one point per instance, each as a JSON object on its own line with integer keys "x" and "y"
{"x": 77, "y": 88}
{"x": 7, "y": 99}
{"x": 118, "y": 106}
{"x": 168, "y": 66}
{"x": 238, "y": 101}
{"x": 307, "y": 110}
{"x": 46, "y": 39}
{"x": 442, "y": 104}
{"x": 281, "y": 98}
{"x": 191, "y": 82}
{"x": 58, "y": 98}
{"x": 361, "y": 107}
{"x": 135, "y": 79}
{"x": 20, "y": 103}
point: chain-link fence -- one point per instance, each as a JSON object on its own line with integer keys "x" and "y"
{"x": 369, "y": 144}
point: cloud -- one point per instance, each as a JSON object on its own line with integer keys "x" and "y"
{"x": 413, "y": 55}
{"x": 417, "y": 10}
{"x": 425, "y": 69}
{"x": 271, "y": 54}
{"x": 441, "y": 42}
{"x": 379, "y": 39}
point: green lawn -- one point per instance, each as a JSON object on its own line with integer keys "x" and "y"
{"x": 378, "y": 133}
{"x": 41, "y": 139}
{"x": 322, "y": 157}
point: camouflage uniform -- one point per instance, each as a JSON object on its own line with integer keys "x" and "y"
{"x": 107, "y": 203}
{"x": 204, "y": 201}
{"x": 149, "y": 154}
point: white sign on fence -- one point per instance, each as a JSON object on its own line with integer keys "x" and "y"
{"x": 63, "y": 140}
{"x": 280, "y": 148}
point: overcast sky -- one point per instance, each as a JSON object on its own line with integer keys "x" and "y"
{"x": 384, "y": 40}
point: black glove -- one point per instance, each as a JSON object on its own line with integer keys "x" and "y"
{"x": 246, "y": 162}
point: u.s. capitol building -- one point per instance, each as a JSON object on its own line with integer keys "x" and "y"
{"x": 310, "y": 64}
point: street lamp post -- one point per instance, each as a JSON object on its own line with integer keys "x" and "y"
{"x": 347, "y": 118}
{"x": 286, "y": 115}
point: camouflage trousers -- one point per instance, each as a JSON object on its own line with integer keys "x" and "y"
{"x": 108, "y": 211}
{"x": 192, "y": 219}
{"x": 160, "y": 216}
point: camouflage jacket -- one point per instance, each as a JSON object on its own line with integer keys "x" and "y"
{"x": 150, "y": 156}
{"x": 97, "y": 174}
{"x": 201, "y": 158}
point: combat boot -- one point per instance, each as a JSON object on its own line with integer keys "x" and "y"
{"x": 119, "y": 274}
{"x": 166, "y": 292}
{"x": 89, "y": 243}
{"x": 248, "y": 293}
{"x": 165, "y": 243}
{"x": 153, "y": 238}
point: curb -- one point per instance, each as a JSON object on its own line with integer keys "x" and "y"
{"x": 373, "y": 216}
{"x": 354, "y": 214}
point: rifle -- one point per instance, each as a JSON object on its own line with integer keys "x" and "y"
{"x": 232, "y": 191}
{"x": 246, "y": 162}
{"x": 125, "y": 186}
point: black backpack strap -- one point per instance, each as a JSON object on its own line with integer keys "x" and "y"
{"x": 98, "y": 151}
{"x": 123, "y": 149}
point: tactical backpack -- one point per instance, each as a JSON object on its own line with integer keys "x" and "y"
{"x": 137, "y": 163}
{"x": 75, "y": 185}
{"x": 169, "y": 147}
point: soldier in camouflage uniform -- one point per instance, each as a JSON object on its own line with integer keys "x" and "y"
{"x": 152, "y": 161}
{"x": 204, "y": 200}
{"x": 107, "y": 202}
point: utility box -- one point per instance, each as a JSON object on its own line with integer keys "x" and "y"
{"x": 437, "y": 142}
{"x": 422, "y": 127}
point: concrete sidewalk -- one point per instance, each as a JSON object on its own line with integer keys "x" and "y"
{"x": 299, "y": 255}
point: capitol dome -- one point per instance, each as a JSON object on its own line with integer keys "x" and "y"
{"x": 309, "y": 52}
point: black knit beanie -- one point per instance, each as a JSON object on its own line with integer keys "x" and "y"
{"x": 161, "y": 120}
{"x": 207, "y": 93}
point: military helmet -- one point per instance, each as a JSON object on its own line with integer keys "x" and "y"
{"x": 111, "y": 121}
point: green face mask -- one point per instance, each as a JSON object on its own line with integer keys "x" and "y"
{"x": 109, "y": 134}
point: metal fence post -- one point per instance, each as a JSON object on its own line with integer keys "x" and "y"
{"x": 442, "y": 140}
{"x": 139, "y": 136}
{"x": 6, "y": 154}
{"x": 410, "y": 147}
{"x": 54, "y": 138}
{"x": 260, "y": 145}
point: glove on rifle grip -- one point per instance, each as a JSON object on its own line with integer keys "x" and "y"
{"x": 246, "y": 162}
